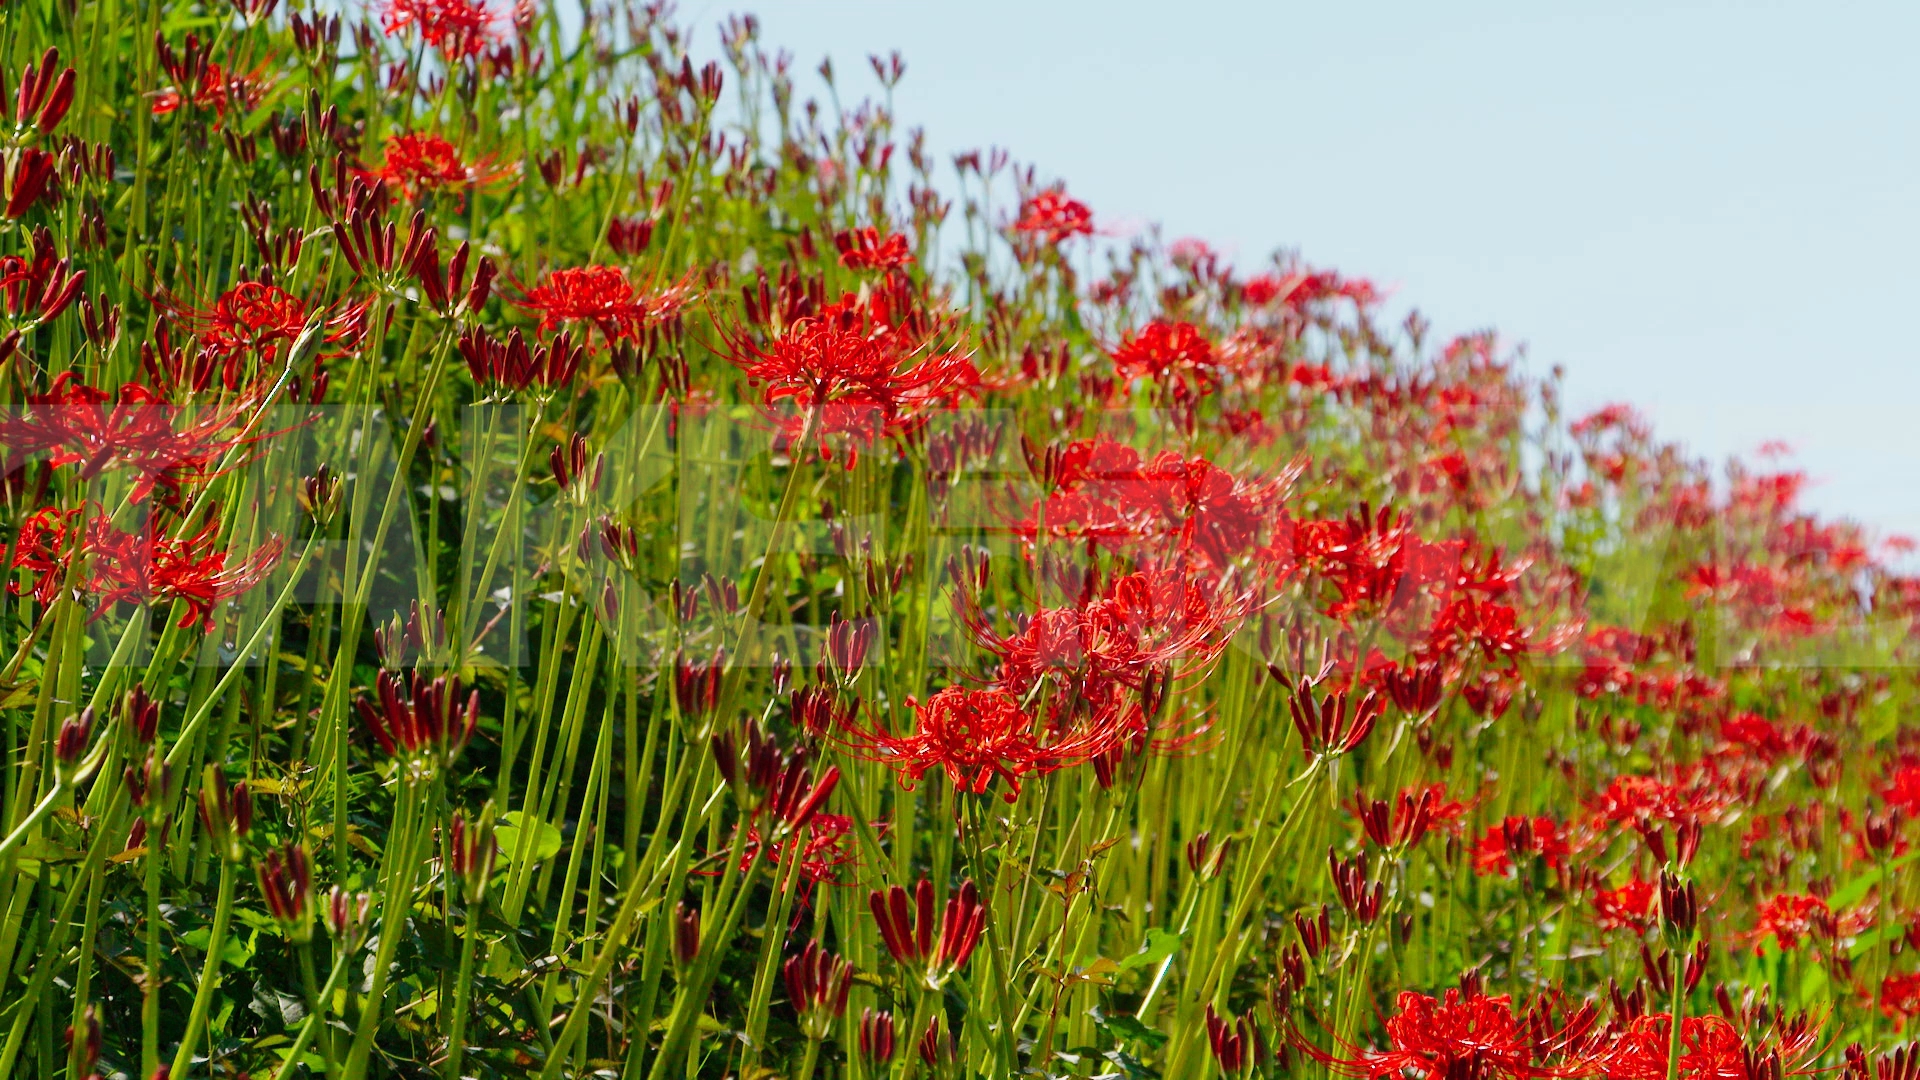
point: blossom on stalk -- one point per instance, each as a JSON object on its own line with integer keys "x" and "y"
{"x": 821, "y": 378}
{"x": 604, "y": 298}
{"x": 418, "y": 163}
{"x": 1054, "y": 216}
{"x": 1469, "y": 1035}
{"x": 975, "y": 736}
{"x": 457, "y": 28}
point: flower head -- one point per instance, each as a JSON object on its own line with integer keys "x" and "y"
{"x": 977, "y": 735}
{"x": 417, "y": 163}
{"x": 828, "y": 380}
{"x": 1056, "y": 217}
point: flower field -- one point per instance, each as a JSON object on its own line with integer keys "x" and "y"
{"x": 553, "y": 545}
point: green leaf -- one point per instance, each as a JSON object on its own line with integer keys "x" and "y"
{"x": 1125, "y": 1028}
{"x": 1159, "y": 945}
{"x": 233, "y": 952}
{"x": 1856, "y": 890}
{"x": 546, "y": 838}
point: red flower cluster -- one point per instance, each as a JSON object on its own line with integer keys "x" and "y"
{"x": 819, "y": 380}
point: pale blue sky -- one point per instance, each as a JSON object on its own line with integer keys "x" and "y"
{"x": 1707, "y": 209}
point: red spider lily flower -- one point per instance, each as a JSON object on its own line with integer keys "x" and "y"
{"x": 821, "y": 378}
{"x": 1627, "y": 907}
{"x": 603, "y": 297}
{"x": 975, "y": 736}
{"x": 1465, "y": 1034}
{"x": 286, "y": 884}
{"x": 1788, "y": 917}
{"x": 1519, "y": 837}
{"x": 1236, "y": 1042}
{"x": 1053, "y": 215}
{"x": 1899, "y": 998}
{"x": 865, "y": 249}
{"x": 200, "y": 82}
{"x": 418, "y": 163}
{"x": 817, "y": 985}
{"x": 1139, "y": 623}
{"x": 428, "y": 722}
{"x": 144, "y": 568}
{"x": 1161, "y": 348}
{"x": 1302, "y": 289}
{"x": 906, "y": 927}
{"x": 1711, "y": 1048}
{"x": 821, "y": 846}
{"x": 48, "y": 539}
{"x": 457, "y": 28}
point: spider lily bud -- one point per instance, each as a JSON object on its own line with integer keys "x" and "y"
{"x": 286, "y": 883}
{"x": 936, "y": 1044}
{"x": 1332, "y": 727}
{"x": 142, "y": 714}
{"x": 28, "y": 175}
{"x": 876, "y": 1037}
{"x": 72, "y": 763}
{"x": 576, "y": 469}
{"x": 471, "y": 854}
{"x": 817, "y": 985}
{"x": 148, "y": 785}
{"x": 347, "y": 916}
{"x": 696, "y": 687}
{"x": 686, "y": 934}
{"x": 1679, "y": 910}
{"x": 1316, "y": 933}
{"x": 848, "y": 642}
{"x": 227, "y": 812}
{"x": 1361, "y": 899}
{"x": 795, "y": 797}
{"x": 319, "y": 496}
{"x": 90, "y": 1038}
{"x": 1204, "y": 859}
{"x": 906, "y": 927}
{"x": 429, "y": 725}
{"x": 1237, "y": 1043}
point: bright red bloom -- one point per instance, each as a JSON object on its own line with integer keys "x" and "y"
{"x": 417, "y": 162}
{"x": 1900, "y": 998}
{"x": 1466, "y": 1034}
{"x": 1052, "y": 215}
{"x": 822, "y": 378}
{"x": 975, "y": 736}
{"x": 1711, "y": 1048}
{"x": 455, "y": 27}
{"x": 603, "y": 297}
{"x": 1519, "y": 836}
{"x": 47, "y": 542}
{"x": 145, "y": 568}
{"x": 1625, "y": 908}
{"x": 865, "y": 249}
{"x": 1160, "y": 349}
{"x": 74, "y": 425}
{"x": 212, "y": 88}
{"x": 1788, "y": 917}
